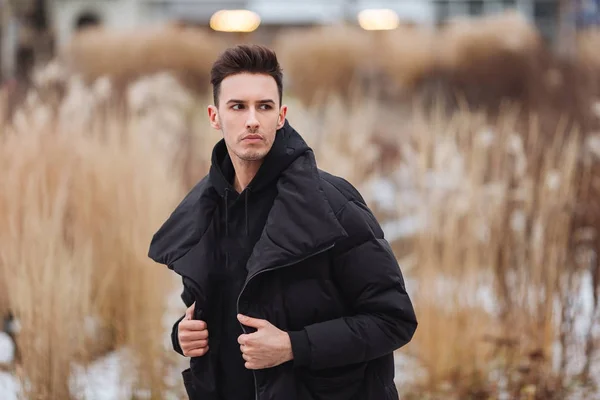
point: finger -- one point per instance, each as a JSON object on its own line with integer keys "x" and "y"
{"x": 251, "y": 365}
{"x": 246, "y": 357}
{"x": 197, "y": 352}
{"x": 189, "y": 313}
{"x": 190, "y": 336}
{"x": 192, "y": 325}
{"x": 196, "y": 344}
{"x": 252, "y": 322}
{"x": 243, "y": 339}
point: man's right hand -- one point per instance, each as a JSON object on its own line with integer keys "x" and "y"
{"x": 192, "y": 335}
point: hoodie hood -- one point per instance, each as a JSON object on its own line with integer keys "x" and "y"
{"x": 287, "y": 147}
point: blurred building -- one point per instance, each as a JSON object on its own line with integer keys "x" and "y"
{"x": 544, "y": 13}
{"x": 588, "y": 13}
{"x": 68, "y": 15}
{"x": 34, "y": 27}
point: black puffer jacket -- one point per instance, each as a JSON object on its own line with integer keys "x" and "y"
{"x": 321, "y": 270}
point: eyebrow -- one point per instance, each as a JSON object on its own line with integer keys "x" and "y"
{"x": 266, "y": 101}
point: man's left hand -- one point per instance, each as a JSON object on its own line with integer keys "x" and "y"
{"x": 267, "y": 347}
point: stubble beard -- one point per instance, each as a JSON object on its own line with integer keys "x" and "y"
{"x": 251, "y": 157}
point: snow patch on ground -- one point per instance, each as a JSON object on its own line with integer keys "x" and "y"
{"x": 386, "y": 195}
{"x": 9, "y": 386}
{"x": 382, "y": 193}
{"x": 404, "y": 227}
{"x": 408, "y": 370}
{"x": 107, "y": 378}
{"x": 7, "y": 349}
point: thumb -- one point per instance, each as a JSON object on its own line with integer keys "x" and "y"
{"x": 189, "y": 313}
{"x": 252, "y": 322}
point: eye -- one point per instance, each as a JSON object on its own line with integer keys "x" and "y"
{"x": 237, "y": 106}
{"x": 265, "y": 107}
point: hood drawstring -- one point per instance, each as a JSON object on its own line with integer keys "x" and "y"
{"x": 226, "y": 197}
{"x": 226, "y": 216}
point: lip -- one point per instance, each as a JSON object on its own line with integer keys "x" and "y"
{"x": 252, "y": 137}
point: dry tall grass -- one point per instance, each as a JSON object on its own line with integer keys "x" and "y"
{"x": 125, "y": 56}
{"x": 482, "y": 62}
{"x": 473, "y": 41}
{"x": 323, "y": 61}
{"x": 494, "y": 50}
{"x": 493, "y": 273}
{"x": 79, "y": 200}
{"x": 406, "y": 56}
{"x": 491, "y": 59}
{"x": 495, "y": 276}
{"x": 587, "y": 48}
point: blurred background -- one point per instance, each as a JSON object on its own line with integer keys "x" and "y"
{"x": 472, "y": 128}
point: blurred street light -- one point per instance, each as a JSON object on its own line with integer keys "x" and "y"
{"x": 235, "y": 21}
{"x": 378, "y": 19}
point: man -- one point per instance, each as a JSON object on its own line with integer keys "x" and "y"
{"x": 292, "y": 291}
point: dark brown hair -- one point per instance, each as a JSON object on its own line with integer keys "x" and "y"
{"x": 254, "y": 59}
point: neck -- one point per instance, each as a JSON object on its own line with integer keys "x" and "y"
{"x": 245, "y": 171}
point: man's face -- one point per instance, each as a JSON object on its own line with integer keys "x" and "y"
{"x": 248, "y": 114}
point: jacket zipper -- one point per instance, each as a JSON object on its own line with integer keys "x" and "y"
{"x": 268, "y": 270}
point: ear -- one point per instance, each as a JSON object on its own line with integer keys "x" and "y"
{"x": 213, "y": 116}
{"x": 282, "y": 115}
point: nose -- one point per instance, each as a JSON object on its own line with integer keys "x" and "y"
{"x": 252, "y": 122}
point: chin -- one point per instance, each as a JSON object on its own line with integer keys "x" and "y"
{"x": 252, "y": 155}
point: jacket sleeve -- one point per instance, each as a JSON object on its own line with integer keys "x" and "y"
{"x": 369, "y": 278}
{"x": 174, "y": 336}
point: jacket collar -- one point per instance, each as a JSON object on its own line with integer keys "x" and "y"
{"x": 300, "y": 223}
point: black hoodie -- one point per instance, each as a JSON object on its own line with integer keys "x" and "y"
{"x": 239, "y": 219}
